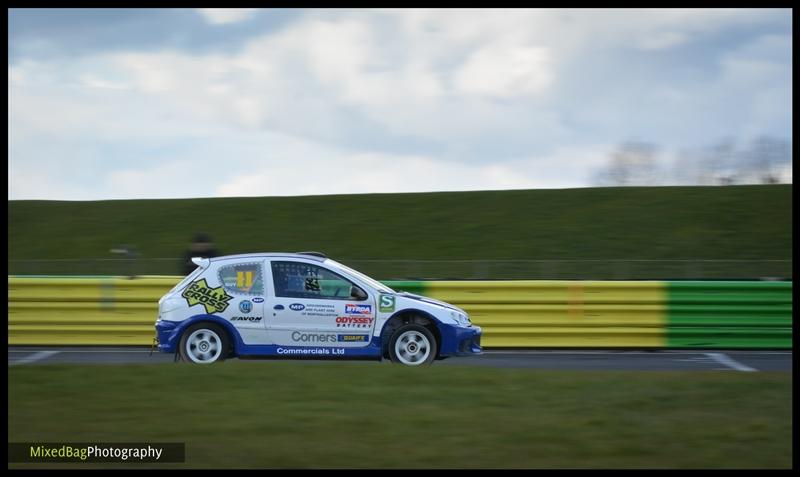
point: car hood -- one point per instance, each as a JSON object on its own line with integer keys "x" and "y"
{"x": 432, "y": 301}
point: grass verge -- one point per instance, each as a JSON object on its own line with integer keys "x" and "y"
{"x": 368, "y": 415}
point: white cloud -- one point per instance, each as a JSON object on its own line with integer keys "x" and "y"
{"x": 179, "y": 178}
{"x": 100, "y": 83}
{"x": 663, "y": 39}
{"x": 238, "y": 164}
{"x": 311, "y": 170}
{"x": 759, "y": 73}
{"x": 372, "y": 172}
{"x": 222, "y": 16}
{"x": 506, "y": 71}
{"x": 406, "y": 99}
{"x": 785, "y": 173}
{"x": 31, "y": 182}
{"x": 423, "y": 73}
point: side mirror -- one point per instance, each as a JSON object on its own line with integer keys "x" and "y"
{"x": 357, "y": 293}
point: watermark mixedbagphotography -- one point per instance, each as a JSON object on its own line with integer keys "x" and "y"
{"x": 132, "y": 452}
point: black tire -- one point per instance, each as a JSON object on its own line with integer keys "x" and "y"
{"x": 204, "y": 335}
{"x": 413, "y": 345}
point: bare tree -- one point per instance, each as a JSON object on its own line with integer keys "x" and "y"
{"x": 719, "y": 162}
{"x": 765, "y": 157}
{"x": 634, "y": 163}
{"x": 685, "y": 168}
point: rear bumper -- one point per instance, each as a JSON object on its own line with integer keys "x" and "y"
{"x": 167, "y": 333}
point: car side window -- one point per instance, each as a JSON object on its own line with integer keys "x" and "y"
{"x": 304, "y": 280}
{"x": 243, "y": 278}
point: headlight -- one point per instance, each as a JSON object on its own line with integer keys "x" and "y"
{"x": 460, "y": 318}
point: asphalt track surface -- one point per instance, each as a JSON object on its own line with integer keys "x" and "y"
{"x": 606, "y": 360}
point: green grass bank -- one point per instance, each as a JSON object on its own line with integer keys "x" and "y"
{"x": 381, "y": 233}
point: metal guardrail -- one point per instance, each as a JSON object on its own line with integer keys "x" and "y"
{"x": 525, "y": 313}
{"x": 489, "y": 269}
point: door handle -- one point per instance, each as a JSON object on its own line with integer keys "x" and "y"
{"x": 277, "y": 307}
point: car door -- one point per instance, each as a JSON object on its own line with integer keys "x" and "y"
{"x": 245, "y": 282}
{"x": 310, "y": 305}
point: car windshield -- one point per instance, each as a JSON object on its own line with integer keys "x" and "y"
{"x": 372, "y": 282}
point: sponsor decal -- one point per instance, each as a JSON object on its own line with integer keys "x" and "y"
{"x": 301, "y": 337}
{"x": 354, "y": 322}
{"x": 297, "y": 306}
{"x": 215, "y": 300}
{"x": 245, "y": 306}
{"x": 252, "y": 319}
{"x": 351, "y": 309}
{"x": 386, "y": 303}
{"x": 258, "y": 299}
{"x": 311, "y": 351}
{"x": 351, "y": 338}
{"x": 319, "y": 310}
{"x": 244, "y": 280}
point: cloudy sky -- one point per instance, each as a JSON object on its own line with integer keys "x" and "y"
{"x": 119, "y": 104}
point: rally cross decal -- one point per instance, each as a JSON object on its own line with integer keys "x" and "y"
{"x": 214, "y": 299}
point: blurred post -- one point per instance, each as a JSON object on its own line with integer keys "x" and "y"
{"x": 129, "y": 253}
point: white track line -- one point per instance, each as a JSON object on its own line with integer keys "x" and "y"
{"x": 722, "y": 358}
{"x": 34, "y": 357}
{"x": 657, "y": 352}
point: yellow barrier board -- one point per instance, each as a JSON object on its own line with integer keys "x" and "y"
{"x": 119, "y": 311}
{"x": 561, "y": 313}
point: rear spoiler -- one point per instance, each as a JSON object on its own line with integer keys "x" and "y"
{"x": 201, "y": 262}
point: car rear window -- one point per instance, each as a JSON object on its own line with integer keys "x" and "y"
{"x": 246, "y": 278}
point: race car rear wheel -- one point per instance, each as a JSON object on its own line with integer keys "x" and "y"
{"x": 412, "y": 345}
{"x": 204, "y": 343}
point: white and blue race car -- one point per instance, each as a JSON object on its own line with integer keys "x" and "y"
{"x": 304, "y": 305}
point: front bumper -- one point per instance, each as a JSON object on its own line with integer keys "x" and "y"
{"x": 460, "y": 341}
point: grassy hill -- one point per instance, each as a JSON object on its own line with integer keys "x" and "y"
{"x": 602, "y": 224}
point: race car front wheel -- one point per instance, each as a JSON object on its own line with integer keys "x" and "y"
{"x": 203, "y": 343}
{"x": 412, "y": 345}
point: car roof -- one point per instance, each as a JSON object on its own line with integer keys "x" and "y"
{"x": 307, "y": 256}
